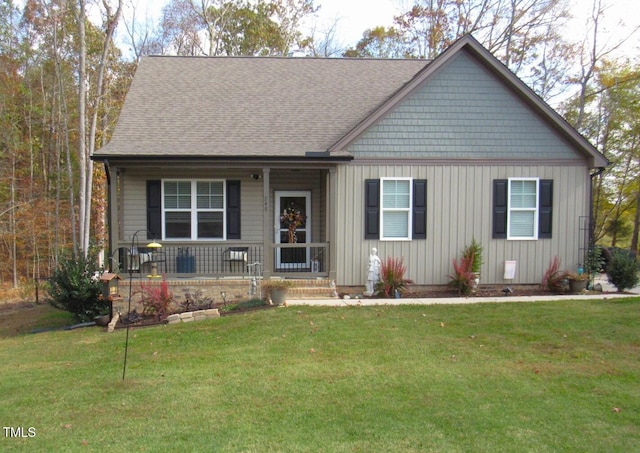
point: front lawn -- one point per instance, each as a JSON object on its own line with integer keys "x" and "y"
{"x": 526, "y": 377}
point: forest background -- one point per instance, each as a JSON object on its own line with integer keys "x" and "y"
{"x": 66, "y": 65}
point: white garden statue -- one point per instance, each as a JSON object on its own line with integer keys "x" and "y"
{"x": 373, "y": 272}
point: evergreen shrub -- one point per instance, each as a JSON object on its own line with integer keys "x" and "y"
{"x": 622, "y": 271}
{"x": 75, "y": 287}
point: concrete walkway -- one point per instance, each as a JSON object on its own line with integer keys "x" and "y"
{"x": 608, "y": 289}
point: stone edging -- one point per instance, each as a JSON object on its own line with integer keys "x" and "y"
{"x": 191, "y": 316}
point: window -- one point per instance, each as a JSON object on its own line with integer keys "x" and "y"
{"x": 395, "y": 209}
{"x": 522, "y": 208}
{"x": 194, "y": 209}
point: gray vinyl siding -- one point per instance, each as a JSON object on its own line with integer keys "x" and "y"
{"x": 135, "y": 201}
{"x": 459, "y": 207}
{"x": 251, "y": 198}
{"x": 462, "y": 112}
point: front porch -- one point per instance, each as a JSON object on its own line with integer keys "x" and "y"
{"x": 219, "y": 221}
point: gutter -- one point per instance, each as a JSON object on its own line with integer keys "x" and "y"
{"x": 295, "y": 160}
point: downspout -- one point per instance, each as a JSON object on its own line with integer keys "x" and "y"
{"x": 592, "y": 176}
{"x": 591, "y": 223}
{"x": 107, "y": 171}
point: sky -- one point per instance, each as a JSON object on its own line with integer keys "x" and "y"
{"x": 355, "y": 16}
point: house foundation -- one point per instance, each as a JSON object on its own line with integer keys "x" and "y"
{"x": 219, "y": 290}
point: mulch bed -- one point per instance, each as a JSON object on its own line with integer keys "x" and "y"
{"x": 482, "y": 291}
{"x": 485, "y": 291}
{"x": 150, "y": 320}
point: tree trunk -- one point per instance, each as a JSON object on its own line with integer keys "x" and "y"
{"x": 636, "y": 224}
{"x": 12, "y": 222}
{"x": 110, "y": 27}
{"x": 82, "y": 121}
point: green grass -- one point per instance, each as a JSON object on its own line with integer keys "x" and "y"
{"x": 534, "y": 377}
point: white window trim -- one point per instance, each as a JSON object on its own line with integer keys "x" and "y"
{"x": 194, "y": 210}
{"x": 536, "y": 211}
{"x": 408, "y": 210}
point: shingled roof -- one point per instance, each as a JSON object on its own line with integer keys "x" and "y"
{"x": 251, "y": 107}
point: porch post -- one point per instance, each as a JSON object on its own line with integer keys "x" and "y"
{"x": 331, "y": 223}
{"x": 114, "y": 207}
{"x": 267, "y": 218}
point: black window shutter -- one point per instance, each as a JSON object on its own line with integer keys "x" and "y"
{"x": 372, "y": 209}
{"x": 500, "y": 208}
{"x": 233, "y": 209}
{"x": 154, "y": 209}
{"x": 419, "y": 214}
{"x": 546, "y": 208}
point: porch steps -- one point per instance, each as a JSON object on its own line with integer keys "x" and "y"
{"x": 310, "y": 289}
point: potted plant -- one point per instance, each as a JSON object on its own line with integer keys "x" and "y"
{"x": 577, "y": 282}
{"x": 277, "y": 290}
{"x": 473, "y": 254}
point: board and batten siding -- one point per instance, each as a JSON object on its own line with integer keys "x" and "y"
{"x": 135, "y": 198}
{"x": 461, "y": 129}
{"x": 459, "y": 207}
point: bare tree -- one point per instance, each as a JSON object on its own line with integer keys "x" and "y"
{"x": 592, "y": 53}
{"x": 323, "y": 41}
{"x": 139, "y": 32}
{"x": 110, "y": 22}
{"x": 239, "y": 27}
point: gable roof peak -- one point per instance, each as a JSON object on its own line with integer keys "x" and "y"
{"x": 469, "y": 44}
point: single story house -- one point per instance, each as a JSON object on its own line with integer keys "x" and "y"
{"x": 303, "y": 165}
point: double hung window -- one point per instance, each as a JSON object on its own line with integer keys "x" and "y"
{"x": 194, "y": 209}
{"x": 523, "y": 209}
{"x": 396, "y": 209}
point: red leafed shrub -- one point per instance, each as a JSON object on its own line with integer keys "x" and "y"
{"x": 392, "y": 278}
{"x": 463, "y": 277}
{"x": 553, "y": 278}
{"x": 156, "y": 300}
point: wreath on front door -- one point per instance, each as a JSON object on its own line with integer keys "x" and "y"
{"x": 293, "y": 218}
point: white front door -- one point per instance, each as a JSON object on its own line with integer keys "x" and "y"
{"x": 292, "y": 225}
